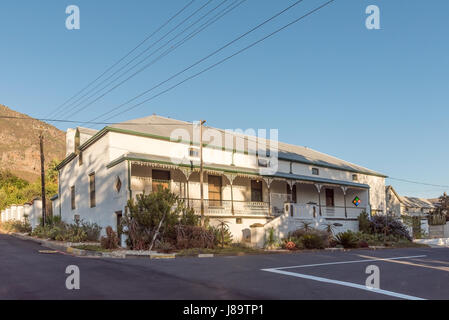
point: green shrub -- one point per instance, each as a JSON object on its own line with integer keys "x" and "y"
{"x": 196, "y": 237}
{"x": 312, "y": 241}
{"x": 270, "y": 239}
{"x": 92, "y": 230}
{"x": 389, "y": 226}
{"x": 165, "y": 246}
{"x": 347, "y": 239}
{"x": 16, "y": 226}
{"x": 157, "y": 213}
{"x": 364, "y": 222}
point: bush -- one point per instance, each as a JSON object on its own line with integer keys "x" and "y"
{"x": 111, "y": 241}
{"x": 363, "y": 244}
{"x": 144, "y": 216}
{"x": 165, "y": 246}
{"x": 364, "y": 222}
{"x": 313, "y": 241}
{"x": 347, "y": 239}
{"x": 195, "y": 237}
{"x": 16, "y": 226}
{"x": 389, "y": 226}
{"x": 61, "y": 231}
{"x": 92, "y": 231}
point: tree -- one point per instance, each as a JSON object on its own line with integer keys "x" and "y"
{"x": 151, "y": 216}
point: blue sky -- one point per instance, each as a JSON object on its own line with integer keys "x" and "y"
{"x": 377, "y": 98}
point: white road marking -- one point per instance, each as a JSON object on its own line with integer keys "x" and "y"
{"x": 344, "y": 262}
{"x": 344, "y": 283}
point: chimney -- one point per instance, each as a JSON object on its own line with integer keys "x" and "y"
{"x": 70, "y": 141}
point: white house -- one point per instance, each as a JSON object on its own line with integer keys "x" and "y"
{"x": 104, "y": 169}
{"x": 417, "y": 208}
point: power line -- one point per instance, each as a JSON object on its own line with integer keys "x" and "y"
{"x": 186, "y": 124}
{"x": 204, "y": 58}
{"x": 213, "y": 65}
{"x": 95, "y": 123}
{"x": 148, "y": 48}
{"x": 128, "y": 54}
{"x": 209, "y": 22}
{"x": 417, "y": 182}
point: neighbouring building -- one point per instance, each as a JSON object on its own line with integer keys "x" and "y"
{"x": 415, "y": 208}
{"x": 104, "y": 169}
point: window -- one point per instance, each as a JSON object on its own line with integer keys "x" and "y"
{"x": 194, "y": 152}
{"x": 330, "y": 198}
{"x": 214, "y": 186}
{"x": 80, "y": 158}
{"x": 160, "y": 178}
{"x": 92, "y": 190}
{"x": 118, "y": 184}
{"x": 238, "y": 220}
{"x": 315, "y": 171}
{"x": 355, "y": 177}
{"x": 263, "y": 162}
{"x": 72, "y": 197}
{"x": 256, "y": 191}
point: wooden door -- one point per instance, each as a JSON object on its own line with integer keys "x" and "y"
{"x": 214, "y": 184}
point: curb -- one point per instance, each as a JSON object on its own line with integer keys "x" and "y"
{"x": 68, "y": 249}
{"x": 88, "y": 253}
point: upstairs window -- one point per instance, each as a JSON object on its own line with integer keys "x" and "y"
{"x": 355, "y": 177}
{"x": 194, "y": 152}
{"x": 92, "y": 190}
{"x": 315, "y": 171}
{"x": 263, "y": 162}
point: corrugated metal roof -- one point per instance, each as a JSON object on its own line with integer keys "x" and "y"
{"x": 152, "y": 125}
{"x": 417, "y": 202}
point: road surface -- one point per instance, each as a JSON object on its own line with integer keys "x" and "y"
{"x": 416, "y": 273}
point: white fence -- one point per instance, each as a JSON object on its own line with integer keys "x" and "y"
{"x": 32, "y": 211}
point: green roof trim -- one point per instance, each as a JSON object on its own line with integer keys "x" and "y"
{"x": 125, "y": 158}
{"x": 107, "y": 129}
{"x": 277, "y": 175}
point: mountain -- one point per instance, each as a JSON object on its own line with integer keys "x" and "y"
{"x": 19, "y": 144}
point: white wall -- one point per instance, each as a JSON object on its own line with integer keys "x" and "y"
{"x": 108, "y": 200}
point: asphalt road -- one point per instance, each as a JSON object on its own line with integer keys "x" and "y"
{"x": 27, "y": 274}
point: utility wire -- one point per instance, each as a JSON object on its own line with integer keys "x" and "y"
{"x": 76, "y": 104}
{"x": 203, "y": 59}
{"x": 213, "y": 65}
{"x": 96, "y": 123}
{"x": 417, "y": 182}
{"x": 186, "y": 124}
{"x": 127, "y": 55}
{"x": 211, "y": 21}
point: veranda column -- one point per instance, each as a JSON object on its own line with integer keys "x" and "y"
{"x": 187, "y": 173}
{"x": 231, "y": 178}
{"x": 318, "y": 187}
{"x": 268, "y": 181}
{"x": 344, "y": 199}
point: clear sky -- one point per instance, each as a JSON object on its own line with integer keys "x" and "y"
{"x": 378, "y": 98}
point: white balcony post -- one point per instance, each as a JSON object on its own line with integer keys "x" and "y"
{"x": 318, "y": 187}
{"x": 344, "y": 189}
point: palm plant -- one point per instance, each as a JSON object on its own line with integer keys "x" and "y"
{"x": 224, "y": 227}
{"x": 306, "y": 226}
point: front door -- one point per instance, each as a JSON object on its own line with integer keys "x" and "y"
{"x": 214, "y": 184}
{"x": 330, "y": 198}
